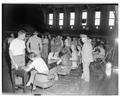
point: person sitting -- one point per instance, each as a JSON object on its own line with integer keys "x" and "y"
{"x": 64, "y": 62}
{"x": 99, "y": 52}
{"x": 38, "y": 66}
{"x": 53, "y": 57}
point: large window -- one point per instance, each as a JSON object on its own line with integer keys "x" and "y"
{"x": 97, "y": 18}
{"x": 61, "y": 18}
{"x": 111, "y": 18}
{"x": 50, "y": 18}
{"x": 84, "y": 18}
{"x": 72, "y": 18}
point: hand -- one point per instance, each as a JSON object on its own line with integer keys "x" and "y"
{"x": 16, "y": 67}
{"x": 59, "y": 62}
{"x": 25, "y": 68}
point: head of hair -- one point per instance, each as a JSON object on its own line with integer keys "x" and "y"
{"x": 32, "y": 55}
{"x": 83, "y": 36}
{"x": 21, "y": 32}
{"x": 35, "y": 32}
{"x": 11, "y": 34}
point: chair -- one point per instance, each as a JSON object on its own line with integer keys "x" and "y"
{"x": 43, "y": 80}
{"x": 20, "y": 73}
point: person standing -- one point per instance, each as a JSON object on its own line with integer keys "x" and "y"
{"x": 17, "y": 54}
{"x": 11, "y": 38}
{"x": 74, "y": 57}
{"x": 87, "y": 56}
{"x": 58, "y": 43}
{"x": 17, "y": 50}
{"x": 68, "y": 41}
{"x": 49, "y": 39}
{"x": 34, "y": 44}
{"x": 74, "y": 42}
{"x": 52, "y": 43}
{"x": 45, "y": 47}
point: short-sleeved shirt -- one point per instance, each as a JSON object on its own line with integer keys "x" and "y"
{"x": 17, "y": 47}
{"x": 39, "y": 65}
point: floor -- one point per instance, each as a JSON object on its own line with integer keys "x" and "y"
{"x": 71, "y": 84}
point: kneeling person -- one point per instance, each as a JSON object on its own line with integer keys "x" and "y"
{"x": 37, "y": 66}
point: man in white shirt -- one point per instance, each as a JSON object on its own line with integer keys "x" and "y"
{"x": 34, "y": 44}
{"x": 17, "y": 50}
{"x": 87, "y": 57}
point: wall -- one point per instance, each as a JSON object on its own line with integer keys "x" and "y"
{"x": 103, "y": 30}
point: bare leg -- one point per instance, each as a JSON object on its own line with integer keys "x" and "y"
{"x": 53, "y": 71}
{"x": 33, "y": 72}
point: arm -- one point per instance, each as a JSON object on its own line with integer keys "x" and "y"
{"x": 12, "y": 59}
{"x": 27, "y": 44}
{"x": 59, "y": 61}
{"x": 62, "y": 43}
{"x": 40, "y": 45}
{"x": 29, "y": 67}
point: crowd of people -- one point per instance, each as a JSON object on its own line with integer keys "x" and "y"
{"x": 66, "y": 53}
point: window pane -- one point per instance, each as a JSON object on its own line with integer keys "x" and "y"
{"x": 60, "y": 15}
{"x": 111, "y": 14}
{"x": 97, "y": 21}
{"x": 72, "y": 22}
{"x": 84, "y": 23}
{"x": 111, "y": 22}
{"x": 84, "y": 15}
{"x": 50, "y": 22}
{"x": 84, "y": 20}
{"x": 72, "y": 15}
{"x": 50, "y": 16}
{"x": 60, "y": 22}
{"x": 97, "y": 14}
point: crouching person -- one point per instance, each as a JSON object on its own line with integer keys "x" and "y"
{"x": 37, "y": 65}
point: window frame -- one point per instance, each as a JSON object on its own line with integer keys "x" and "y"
{"x": 61, "y": 19}
{"x": 72, "y": 19}
{"x": 84, "y": 24}
{"x": 50, "y": 19}
{"x": 97, "y": 18}
{"x": 113, "y": 18}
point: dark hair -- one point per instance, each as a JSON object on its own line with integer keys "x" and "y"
{"x": 61, "y": 54}
{"x": 32, "y": 55}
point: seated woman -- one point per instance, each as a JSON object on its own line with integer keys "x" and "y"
{"x": 37, "y": 66}
{"x": 65, "y": 66}
{"x": 53, "y": 57}
{"x": 99, "y": 52}
{"x": 74, "y": 57}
